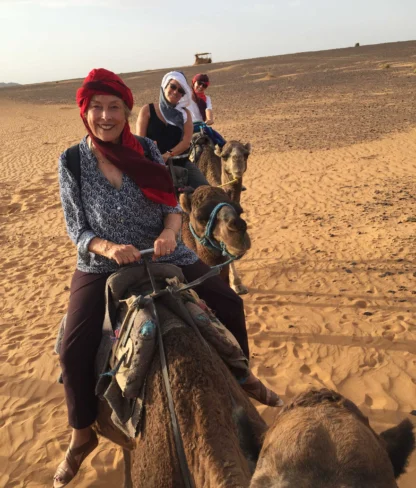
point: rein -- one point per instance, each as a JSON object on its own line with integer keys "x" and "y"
{"x": 180, "y": 451}
{"x": 228, "y": 183}
{"x": 149, "y": 301}
{"x": 208, "y": 240}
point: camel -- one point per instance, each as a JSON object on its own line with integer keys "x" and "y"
{"x": 322, "y": 440}
{"x": 220, "y": 428}
{"x": 221, "y": 451}
{"x": 229, "y": 228}
{"x": 221, "y": 166}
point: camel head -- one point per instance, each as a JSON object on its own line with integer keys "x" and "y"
{"x": 234, "y": 157}
{"x": 323, "y": 439}
{"x": 229, "y": 228}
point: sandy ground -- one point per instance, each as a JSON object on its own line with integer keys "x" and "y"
{"x": 332, "y": 216}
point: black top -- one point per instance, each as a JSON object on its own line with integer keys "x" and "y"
{"x": 167, "y": 136}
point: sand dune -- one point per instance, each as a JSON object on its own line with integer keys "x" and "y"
{"x": 331, "y": 209}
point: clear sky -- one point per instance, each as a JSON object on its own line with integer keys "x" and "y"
{"x": 48, "y": 40}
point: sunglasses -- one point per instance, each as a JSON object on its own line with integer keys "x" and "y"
{"x": 177, "y": 88}
{"x": 201, "y": 83}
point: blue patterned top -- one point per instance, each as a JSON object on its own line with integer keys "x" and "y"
{"x": 123, "y": 216}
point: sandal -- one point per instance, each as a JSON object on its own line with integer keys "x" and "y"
{"x": 262, "y": 394}
{"x": 70, "y": 465}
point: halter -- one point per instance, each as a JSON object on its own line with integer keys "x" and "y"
{"x": 208, "y": 240}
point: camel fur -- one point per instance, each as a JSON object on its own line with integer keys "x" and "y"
{"x": 322, "y": 440}
{"x": 220, "y": 428}
{"x": 222, "y": 165}
{"x": 229, "y": 228}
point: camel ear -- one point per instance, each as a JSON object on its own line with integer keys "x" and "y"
{"x": 400, "y": 442}
{"x": 218, "y": 150}
{"x": 248, "y": 147}
{"x": 185, "y": 201}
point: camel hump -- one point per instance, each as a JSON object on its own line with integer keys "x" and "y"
{"x": 322, "y": 439}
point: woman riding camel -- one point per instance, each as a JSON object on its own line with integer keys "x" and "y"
{"x": 169, "y": 124}
{"x": 201, "y": 109}
{"x": 121, "y": 203}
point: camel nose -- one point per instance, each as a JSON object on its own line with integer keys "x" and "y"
{"x": 237, "y": 171}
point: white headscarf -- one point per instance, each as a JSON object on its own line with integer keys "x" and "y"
{"x": 183, "y": 102}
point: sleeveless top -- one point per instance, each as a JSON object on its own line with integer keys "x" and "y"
{"x": 166, "y": 135}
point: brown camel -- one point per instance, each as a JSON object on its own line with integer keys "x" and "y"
{"x": 229, "y": 229}
{"x": 221, "y": 452}
{"x": 220, "y": 428}
{"x": 322, "y": 440}
{"x": 222, "y": 166}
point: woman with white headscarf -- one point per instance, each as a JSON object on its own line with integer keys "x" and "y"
{"x": 170, "y": 125}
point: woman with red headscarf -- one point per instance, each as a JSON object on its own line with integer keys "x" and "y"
{"x": 119, "y": 202}
{"x": 201, "y": 109}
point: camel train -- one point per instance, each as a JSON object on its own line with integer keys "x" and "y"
{"x": 319, "y": 440}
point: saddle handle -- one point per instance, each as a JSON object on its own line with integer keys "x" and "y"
{"x": 146, "y": 252}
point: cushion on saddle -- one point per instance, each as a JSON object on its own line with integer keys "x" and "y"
{"x": 128, "y": 278}
{"x": 128, "y": 341}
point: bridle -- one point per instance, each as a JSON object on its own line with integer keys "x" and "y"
{"x": 208, "y": 240}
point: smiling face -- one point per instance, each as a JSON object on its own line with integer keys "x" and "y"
{"x": 106, "y": 117}
{"x": 199, "y": 86}
{"x": 174, "y": 92}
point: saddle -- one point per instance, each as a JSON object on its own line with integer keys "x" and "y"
{"x": 129, "y": 342}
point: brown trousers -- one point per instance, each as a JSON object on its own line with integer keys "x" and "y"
{"x": 84, "y": 325}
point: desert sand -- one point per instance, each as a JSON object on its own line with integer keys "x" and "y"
{"x": 331, "y": 209}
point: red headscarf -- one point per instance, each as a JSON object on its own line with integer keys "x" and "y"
{"x": 200, "y": 97}
{"x": 128, "y": 156}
